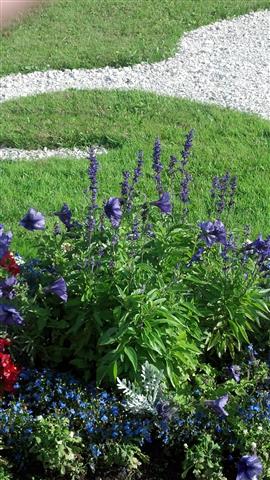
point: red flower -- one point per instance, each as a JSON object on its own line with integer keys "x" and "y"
{"x": 8, "y": 371}
{"x": 8, "y": 263}
{"x": 4, "y": 342}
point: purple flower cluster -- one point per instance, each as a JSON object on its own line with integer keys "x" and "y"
{"x": 260, "y": 248}
{"x": 58, "y": 288}
{"x": 187, "y": 148}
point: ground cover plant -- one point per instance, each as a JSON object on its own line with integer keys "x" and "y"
{"x": 135, "y": 296}
{"x": 78, "y": 119}
{"x": 112, "y": 33}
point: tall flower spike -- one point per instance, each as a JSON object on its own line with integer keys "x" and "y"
{"x": 33, "y": 220}
{"x": 187, "y": 147}
{"x": 92, "y": 175}
{"x": 157, "y": 165}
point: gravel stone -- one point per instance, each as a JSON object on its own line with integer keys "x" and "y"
{"x": 225, "y": 63}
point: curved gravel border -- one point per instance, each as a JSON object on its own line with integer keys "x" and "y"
{"x": 41, "y": 154}
{"x": 225, "y": 63}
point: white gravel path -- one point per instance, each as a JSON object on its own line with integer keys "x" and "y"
{"x": 18, "y": 154}
{"x": 226, "y": 63}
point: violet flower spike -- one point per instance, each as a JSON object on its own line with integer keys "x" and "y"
{"x": 172, "y": 164}
{"x": 113, "y": 211}
{"x": 157, "y": 165}
{"x": 33, "y": 220}
{"x": 164, "y": 203}
{"x": 249, "y": 468}
{"x": 124, "y": 184}
{"x": 59, "y": 288}
{"x": 92, "y": 175}
{"x": 187, "y": 147}
{"x": 10, "y": 316}
{"x": 5, "y": 239}
{"x": 218, "y": 405}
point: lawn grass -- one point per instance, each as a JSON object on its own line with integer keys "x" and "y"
{"x": 96, "y": 33}
{"x": 125, "y": 122}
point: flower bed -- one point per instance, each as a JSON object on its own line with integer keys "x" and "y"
{"x": 130, "y": 334}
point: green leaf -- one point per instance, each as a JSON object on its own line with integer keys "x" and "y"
{"x": 131, "y": 354}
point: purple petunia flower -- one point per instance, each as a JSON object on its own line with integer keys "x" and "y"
{"x": 10, "y": 316}
{"x": 65, "y": 216}
{"x": 33, "y": 220}
{"x": 213, "y": 232}
{"x": 218, "y": 405}
{"x": 235, "y": 372}
{"x": 5, "y": 239}
{"x": 249, "y": 467}
{"x": 6, "y": 287}
{"x": 59, "y": 288}
{"x": 164, "y": 203}
{"x": 113, "y": 211}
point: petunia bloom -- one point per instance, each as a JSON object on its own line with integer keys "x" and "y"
{"x": 33, "y": 220}
{"x": 113, "y": 211}
{"x": 9, "y": 263}
{"x": 65, "y": 216}
{"x": 6, "y": 287}
{"x": 235, "y": 372}
{"x": 213, "y": 232}
{"x": 164, "y": 203}
{"x": 9, "y": 316}
{"x": 218, "y": 405}
{"x": 249, "y": 467}
{"x": 5, "y": 239}
{"x": 59, "y": 288}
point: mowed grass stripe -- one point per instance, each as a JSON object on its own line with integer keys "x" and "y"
{"x": 96, "y": 33}
{"x": 125, "y": 122}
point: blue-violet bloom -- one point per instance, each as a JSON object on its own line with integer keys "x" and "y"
{"x": 33, "y": 220}
{"x": 113, "y": 211}
{"x": 59, "y": 288}
{"x": 10, "y": 316}
{"x": 249, "y": 467}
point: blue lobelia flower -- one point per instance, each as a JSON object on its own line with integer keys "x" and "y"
{"x": 164, "y": 203}
{"x": 249, "y": 467}
{"x": 5, "y": 239}
{"x": 59, "y": 288}
{"x": 10, "y": 316}
{"x": 6, "y": 287}
{"x": 213, "y": 232}
{"x": 113, "y": 211}
{"x": 33, "y": 220}
{"x": 235, "y": 371}
{"x": 218, "y": 405}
